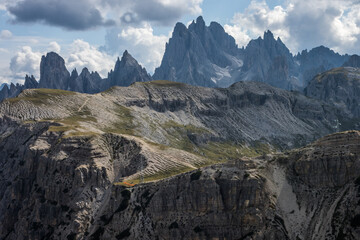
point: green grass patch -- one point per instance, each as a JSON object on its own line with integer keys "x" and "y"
{"x": 60, "y": 128}
{"x": 72, "y": 124}
{"x": 189, "y": 128}
{"x": 40, "y": 96}
{"x": 162, "y": 174}
{"x": 159, "y": 146}
{"x": 320, "y": 77}
{"x": 164, "y": 83}
{"x": 125, "y": 122}
{"x": 224, "y": 151}
{"x": 215, "y": 152}
{"x": 178, "y": 135}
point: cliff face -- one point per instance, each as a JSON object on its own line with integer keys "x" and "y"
{"x": 126, "y": 72}
{"x": 207, "y": 56}
{"x": 86, "y": 82}
{"x": 339, "y": 87}
{"x": 353, "y": 61}
{"x": 246, "y": 112}
{"x": 318, "y": 60}
{"x": 53, "y": 73}
{"x": 200, "y": 55}
{"x": 60, "y": 187}
{"x": 177, "y": 161}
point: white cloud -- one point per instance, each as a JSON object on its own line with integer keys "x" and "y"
{"x": 163, "y": 12}
{"x": 141, "y": 42}
{"x": 54, "y": 47}
{"x": 5, "y": 34}
{"x": 95, "y": 13}
{"x": 302, "y": 24}
{"x": 3, "y": 50}
{"x": 240, "y": 34}
{"x": 82, "y": 54}
{"x": 24, "y": 62}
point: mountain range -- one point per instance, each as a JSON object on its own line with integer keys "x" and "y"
{"x": 54, "y": 75}
{"x": 235, "y": 143}
{"x": 199, "y": 55}
{"x": 207, "y": 56}
{"x": 176, "y": 160}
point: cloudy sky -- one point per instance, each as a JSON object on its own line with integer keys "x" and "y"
{"x": 93, "y": 33}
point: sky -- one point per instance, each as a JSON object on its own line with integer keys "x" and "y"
{"x": 93, "y": 33}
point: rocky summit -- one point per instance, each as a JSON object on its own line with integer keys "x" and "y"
{"x": 207, "y": 56}
{"x": 200, "y": 55}
{"x": 339, "y": 87}
{"x": 54, "y": 75}
{"x": 126, "y": 72}
{"x": 168, "y": 160}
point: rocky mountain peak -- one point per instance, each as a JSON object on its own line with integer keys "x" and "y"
{"x": 30, "y": 82}
{"x": 198, "y": 26}
{"x": 179, "y": 30}
{"x": 128, "y": 60}
{"x": 85, "y": 71}
{"x": 208, "y": 48}
{"x": 74, "y": 74}
{"x": 354, "y": 61}
{"x": 268, "y": 36}
{"x": 2, "y": 86}
{"x": 127, "y": 71}
{"x": 53, "y": 73}
{"x": 339, "y": 87}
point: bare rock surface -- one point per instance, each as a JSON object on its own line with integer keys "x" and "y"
{"x": 172, "y": 161}
{"x": 339, "y": 87}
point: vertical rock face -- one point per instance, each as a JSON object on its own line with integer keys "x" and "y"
{"x": 354, "y": 61}
{"x": 127, "y": 71}
{"x": 55, "y": 187}
{"x": 339, "y": 87}
{"x": 207, "y": 56}
{"x": 30, "y": 82}
{"x": 199, "y": 55}
{"x": 86, "y": 82}
{"x": 2, "y": 85}
{"x": 269, "y": 60}
{"x": 14, "y": 90}
{"x": 53, "y": 73}
{"x": 318, "y": 60}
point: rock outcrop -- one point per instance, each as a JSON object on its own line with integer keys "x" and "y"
{"x": 207, "y": 56}
{"x": 354, "y": 61}
{"x": 69, "y": 187}
{"x": 339, "y": 87}
{"x": 86, "y": 82}
{"x": 163, "y": 111}
{"x": 269, "y": 60}
{"x": 14, "y": 90}
{"x": 30, "y": 82}
{"x": 53, "y": 73}
{"x": 200, "y": 55}
{"x": 127, "y": 71}
{"x": 318, "y": 60}
{"x": 2, "y": 85}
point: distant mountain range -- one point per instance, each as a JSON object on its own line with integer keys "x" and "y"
{"x": 198, "y": 55}
{"x": 164, "y": 159}
{"x": 54, "y": 75}
{"x": 208, "y": 56}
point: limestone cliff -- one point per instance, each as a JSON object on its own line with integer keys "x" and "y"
{"x": 173, "y": 161}
{"x": 339, "y": 87}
